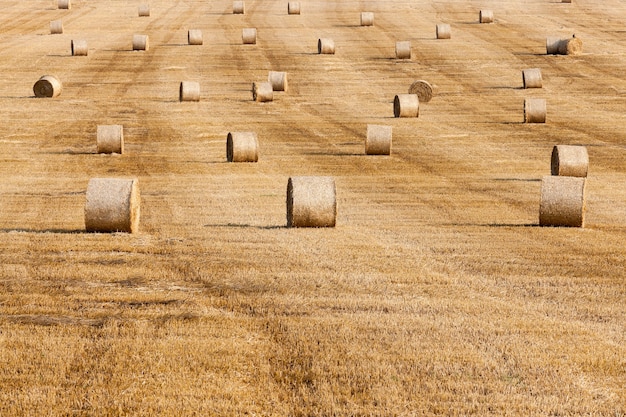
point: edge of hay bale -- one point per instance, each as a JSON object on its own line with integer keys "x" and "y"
{"x": 48, "y": 86}
{"x": 110, "y": 139}
{"x": 423, "y": 89}
{"x": 569, "y": 160}
{"x": 562, "y": 201}
{"x": 406, "y": 105}
{"x": 311, "y": 201}
{"x": 112, "y": 205}
{"x": 378, "y": 140}
{"x": 242, "y": 147}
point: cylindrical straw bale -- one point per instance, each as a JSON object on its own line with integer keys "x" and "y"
{"x": 110, "y": 139}
{"x": 293, "y": 7}
{"x": 278, "y": 79}
{"x": 378, "y": 140}
{"x": 248, "y": 35}
{"x": 65, "y": 4}
{"x": 552, "y": 45}
{"x": 566, "y": 1}
{"x": 535, "y": 110}
{"x": 194, "y": 37}
{"x": 443, "y": 31}
{"x": 112, "y": 205}
{"x": 262, "y": 92}
{"x": 311, "y": 202}
{"x": 569, "y": 161}
{"x": 79, "y": 47}
{"x": 239, "y": 7}
{"x": 242, "y": 147}
{"x": 531, "y": 78}
{"x": 562, "y": 201}
{"x": 56, "y": 27}
{"x": 189, "y": 91}
{"x": 367, "y": 19}
{"x": 571, "y": 46}
{"x": 141, "y": 43}
{"x": 403, "y": 50}
{"x": 423, "y": 89}
{"x": 325, "y": 46}
{"x": 144, "y": 10}
{"x": 485, "y": 16}
{"x": 47, "y": 86}
{"x": 406, "y": 105}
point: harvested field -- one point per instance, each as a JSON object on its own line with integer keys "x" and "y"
{"x": 436, "y": 293}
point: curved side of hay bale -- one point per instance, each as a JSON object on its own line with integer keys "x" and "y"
{"x": 79, "y": 47}
{"x": 47, "y": 86}
{"x": 293, "y": 7}
{"x": 262, "y": 92}
{"x": 562, "y": 201}
{"x": 65, "y": 4}
{"x": 189, "y": 91}
{"x": 194, "y": 37}
{"x": 569, "y": 161}
{"x": 248, "y": 36}
{"x": 239, "y": 7}
{"x": 571, "y": 46}
{"x": 56, "y": 27}
{"x": 311, "y": 202}
{"x": 406, "y": 105}
{"x": 325, "y": 46}
{"x": 485, "y": 16}
{"x": 403, "y": 50}
{"x": 566, "y": 1}
{"x": 367, "y": 19}
{"x": 242, "y": 147}
{"x": 278, "y": 80}
{"x": 112, "y": 205}
{"x": 378, "y": 140}
{"x": 552, "y": 45}
{"x": 144, "y": 10}
{"x": 535, "y": 110}
{"x": 531, "y": 78}
{"x": 443, "y": 31}
{"x": 141, "y": 43}
{"x": 110, "y": 139}
{"x": 423, "y": 89}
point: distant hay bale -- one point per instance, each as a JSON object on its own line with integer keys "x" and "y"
{"x": 248, "y": 35}
{"x": 64, "y": 4}
{"x": 566, "y": 1}
{"x": 325, "y": 46}
{"x": 443, "y": 31}
{"x": 242, "y": 147}
{"x": 311, "y": 202}
{"x": 189, "y": 91}
{"x": 144, "y": 10}
{"x": 552, "y": 45}
{"x": 535, "y": 110}
{"x": 56, "y": 27}
{"x": 562, "y": 201}
{"x": 558, "y": 46}
{"x": 194, "y": 37}
{"x": 47, "y": 86}
{"x": 262, "y": 92}
{"x": 278, "y": 80}
{"x": 406, "y": 105}
{"x": 403, "y": 50}
{"x": 531, "y": 78}
{"x": 141, "y": 43}
{"x": 112, "y": 205}
{"x": 293, "y": 7}
{"x": 367, "y": 19}
{"x": 110, "y": 139}
{"x": 79, "y": 47}
{"x": 485, "y": 16}
{"x": 239, "y": 7}
{"x": 423, "y": 89}
{"x": 378, "y": 140}
{"x": 569, "y": 161}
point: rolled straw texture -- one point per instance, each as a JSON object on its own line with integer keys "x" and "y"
{"x": 485, "y": 16}
{"x": 56, "y": 27}
{"x": 367, "y": 19}
{"x": 378, "y": 140}
{"x": 194, "y": 37}
{"x": 406, "y": 105}
{"x": 423, "y": 89}
{"x": 311, "y": 202}
{"x": 141, "y": 43}
{"x": 571, "y": 46}
{"x": 403, "y": 50}
{"x": 262, "y": 92}
{"x": 531, "y": 78}
{"x": 569, "y": 161}
{"x": 79, "y": 47}
{"x": 562, "y": 201}
{"x": 535, "y": 110}
{"x": 552, "y": 45}
{"x": 242, "y": 147}
{"x": 144, "y": 10}
{"x": 566, "y": 1}
{"x": 293, "y": 7}
{"x": 325, "y": 46}
{"x": 47, "y": 86}
{"x": 110, "y": 139}
{"x": 65, "y": 4}
{"x": 239, "y": 7}
{"x": 278, "y": 80}
{"x": 443, "y": 31}
{"x": 189, "y": 91}
{"x": 248, "y": 36}
{"x": 112, "y": 205}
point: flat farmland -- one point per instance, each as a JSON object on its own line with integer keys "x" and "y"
{"x": 437, "y": 293}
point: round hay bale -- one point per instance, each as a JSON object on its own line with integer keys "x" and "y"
{"x": 144, "y": 10}
{"x": 56, "y": 27}
{"x": 378, "y": 140}
{"x": 535, "y": 110}
{"x": 293, "y": 7}
{"x": 112, "y": 205}
{"x": 239, "y": 7}
{"x": 325, "y": 46}
{"x": 569, "y": 161}
{"x": 242, "y": 147}
{"x": 566, "y": 1}
{"x": 406, "y": 105}
{"x": 485, "y": 16}
{"x": 443, "y": 31}
{"x": 189, "y": 91}
{"x": 278, "y": 80}
{"x": 141, "y": 43}
{"x": 423, "y": 89}
{"x": 194, "y": 37}
{"x": 571, "y": 46}
{"x": 403, "y": 50}
{"x": 65, "y": 4}
{"x": 79, "y": 47}
{"x": 562, "y": 201}
{"x": 311, "y": 202}
{"x": 110, "y": 139}
{"x": 552, "y": 45}
{"x": 47, "y": 86}
{"x": 531, "y": 78}
{"x": 262, "y": 92}
{"x": 367, "y": 19}
{"x": 248, "y": 35}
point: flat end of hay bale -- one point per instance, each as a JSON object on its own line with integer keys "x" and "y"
{"x": 112, "y": 205}
{"x": 423, "y": 89}
{"x": 562, "y": 201}
{"x": 311, "y": 202}
{"x": 47, "y": 86}
{"x": 572, "y": 46}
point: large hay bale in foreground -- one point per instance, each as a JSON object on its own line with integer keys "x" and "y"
{"x": 194, "y": 37}
{"x": 262, "y": 92}
{"x": 403, "y": 50}
{"x": 378, "y": 140}
{"x": 278, "y": 80}
{"x": 535, "y": 110}
{"x": 112, "y": 205}
{"x": 325, "y": 46}
{"x": 141, "y": 43}
{"x": 311, "y": 202}
{"x": 64, "y": 4}
{"x": 79, "y": 47}
{"x": 293, "y": 7}
{"x": 144, "y": 10}
{"x": 443, "y": 31}
{"x": 242, "y": 147}
{"x": 248, "y": 36}
{"x": 406, "y": 105}
{"x": 423, "y": 89}
{"x": 367, "y": 19}
{"x": 239, "y": 7}
{"x": 47, "y": 86}
{"x": 531, "y": 78}
{"x": 562, "y": 201}
{"x": 189, "y": 91}
{"x": 569, "y": 161}
{"x": 56, "y": 27}
{"x": 485, "y": 16}
{"x": 110, "y": 139}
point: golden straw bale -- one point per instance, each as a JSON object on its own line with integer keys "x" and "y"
{"x": 189, "y": 91}
{"x": 242, "y": 147}
{"x": 47, "y": 86}
{"x": 571, "y": 46}
{"x": 79, "y": 47}
{"x": 562, "y": 201}
{"x": 278, "y": 79}
{"x": 248, "y": 36}
{"x": 194, "y": 37}
{"x": 293, "y": 7}
{"x": 367, "y": 19}
{"x": 403, "y": 50}
{"x": 239, "y": 7}
{"x": 112, "y": 205}
{"x": 443, "y": 31}
{"x": 311, "y": 202}
{"x": 378, "y": 140}
{"x": 144, "y": 10}
{"x": 56, "y": 27}
{"x": 262, "y": 92}
{"x": 406, "y": 105}
{"x": 423, "y": 89}
{"x": 141, "y": 43}
{"x": 110, "y": 139}
{"x": 569, "y": 161}
{"x": 535, "y": 110}
{"x": 531, "y": 78}
{"x": 65, "y": 4}
{"x": 325, "y": 46}
{"x": 485, "y": 16}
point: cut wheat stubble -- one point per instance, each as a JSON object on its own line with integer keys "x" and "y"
{"x": 189, "y": 91}
{"x": 242, "y": 147}
{"x": 112, "y": 205}
{"x": 569, "y": 161}
{"x": 110, "y": 139}
{"x": 406, "y": 105}
{"x": 535, "y": 110}
{"x": 378, "y": 140}
{"x": 531, "y": 78}
{"x": 562, "y": 201}
{"x": 79, "y": 47}
{"x": 311, "y": 202}
{"x": 48, "y": 86}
